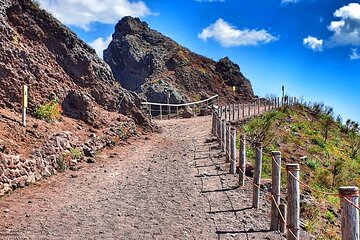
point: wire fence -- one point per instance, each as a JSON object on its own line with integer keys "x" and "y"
{"x": 290, "y": 218}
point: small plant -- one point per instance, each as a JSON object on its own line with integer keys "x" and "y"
{"x": 330, "y": 216}
{"x": 49, "y": 112}
{"x": 311, "y": 163}
{"x": 61, "y": 162}
{"x": 122, "y": 132}
{"x": 76, "y": 154}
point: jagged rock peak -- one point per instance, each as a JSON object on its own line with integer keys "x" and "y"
{"x": 147, "y": 62}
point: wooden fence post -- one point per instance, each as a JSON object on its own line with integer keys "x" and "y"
{"x": 233, "y": 111}
{"x": 283, "y": 212}
{"x": 177, "y": 112}
{"x": 223, "y": 135}
{"x": 293, "y": 203}
{"x": 233, "y": 151}
{"x": 249, "y": 110}
{"x": 257, "y": 175}
{"x": 349, "y": 214}
{"x": 225, "y": 112}
{"x": 275, "y": 189}
{"x": 242, "y": 160}
{"x": 160, "y": 112}
{"x": 238, "y": 111}
{"x": 219, "y": 134}
{"x": 243, "y": 110}
{"x": 228, "y": 140}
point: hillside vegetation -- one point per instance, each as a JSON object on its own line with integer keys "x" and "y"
{"x": 326, "y": 149}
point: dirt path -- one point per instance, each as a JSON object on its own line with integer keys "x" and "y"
{"x": 173, "y": 186}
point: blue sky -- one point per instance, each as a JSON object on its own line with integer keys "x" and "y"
{"x": 310, "y": 46}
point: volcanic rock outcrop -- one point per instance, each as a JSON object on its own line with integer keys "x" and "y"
{"x": 37, "y": 50}
{"x": 149, "y": 63}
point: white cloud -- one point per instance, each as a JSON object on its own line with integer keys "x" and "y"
{"x": 354, "y": 54}
{"x": 289, "y": 1}
{"x": 209, "y": 0}
{"x": 313, "y": 43}
{"x": 82, "y": 13}
{"x": 229, "y": 36}
{"x": 100, "y": 44}
{"x": 346, "y": 31}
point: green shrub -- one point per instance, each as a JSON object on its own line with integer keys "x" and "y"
{"x": 76, "y": 154}
{"x": 61, "y": 162}
{"x": 49, "y": 111}
{"x": 330, "y": 216}
{"x": 312, "y": 163}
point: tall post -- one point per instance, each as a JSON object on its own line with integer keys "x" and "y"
{"x": 228, "y": 141}
{"x": 219, "y": 131}
{"x": 213, "y": 122}
{"x": 259, "y": 105}
{"x": 233, "y": 151}
{"x": 257, "y": 176}
{"x": 238, "y": 108}
{"x": 278, "y": 102}
{"x": 194, "y": 111}
{"x": 177, "y": 111}
{"x": 243, "y": 110}
{"x": 249, "y": 110}
{"x": 160, "y": 112}
{"x": 233, "y": 111}
{"x": 168, "y": 102}
{"x": 223, "y": 135}
{"x": 349, "y": 214}
{"x": 283, "y": 212}
{"x": 225, "y": 112}
{"x": 24, "y": 91}
{"x": 293, "y": 205}
{"x": 275, "y": 189}
{"x": 242, "y": 160}
{"x": 282, "y": 95}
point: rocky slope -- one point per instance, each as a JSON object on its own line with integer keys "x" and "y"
{"x": 149, "y": 63}
{"x": 60, "y": 70}
{"x": 39, "y": 51}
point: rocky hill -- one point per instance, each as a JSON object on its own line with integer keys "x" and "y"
{"x": 37, "y": 50}
{"x": 76, "y": 107}
{"x": 149, "y": 63}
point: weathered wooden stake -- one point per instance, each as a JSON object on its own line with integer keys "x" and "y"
{"x": 275, "y": 189}
{"x": 228, "y": 140}
{"x": 219, "y": 130}
{"x": 283, "y": 212}
{"x": 223, "y": 135}
{"x": 249, "y": 109}
{"x": 238, "y": 107}
{"x": 233, "y": 151}
{"x": 242, "y": 160}
{"x": 293, "y": 203}
{"x": 225, "y": 112}
{"x": 177, "y": 111}
{"x": 233, "y": 111}
{"x": 257, "y": 176}
{"x": 24, "y": 103}
{"x": 243, "y": 110}
{"x": 349, "y": 214}
{"x": 160, "y": 112}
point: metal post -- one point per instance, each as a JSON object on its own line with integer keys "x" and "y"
{"x": 242, "y": 160}
{"x": 293, "y": 205}
{"x": 349, "y": 214}
{"x": 233, "y": 151}
{"x": 257, "y": 176}
{"x": 225, "y": 112}
{"x": 275, "y": 189}
{"x": 150, "y": 111}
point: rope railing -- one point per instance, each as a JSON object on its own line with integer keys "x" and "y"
{"x": 171, "y": 108}
{"x": 348, "y": 195}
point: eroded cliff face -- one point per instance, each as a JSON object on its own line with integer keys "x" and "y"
{"x": 37, "y": 50}
{"x": 149, "y": 63}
